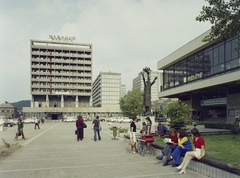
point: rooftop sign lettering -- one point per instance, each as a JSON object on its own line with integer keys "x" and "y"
{"x": 62, "y": 38}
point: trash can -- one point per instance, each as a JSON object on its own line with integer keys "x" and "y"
{"x": 114, "y": 131}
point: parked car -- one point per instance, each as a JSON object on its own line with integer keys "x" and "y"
{"x": 108, "y": 119}
{"x": 8, "y": 123}
{"x": 28, "y": 121}
{"x": 70, "y": 119}
{"x": 125, "y": 120}
{"x": 115, "y": 119}
{"x": 102, "y": 119}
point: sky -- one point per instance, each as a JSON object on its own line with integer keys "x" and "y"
{"x": 127, "y": 35}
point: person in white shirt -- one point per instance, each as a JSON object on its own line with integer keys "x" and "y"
{"x": 37, "y": 121}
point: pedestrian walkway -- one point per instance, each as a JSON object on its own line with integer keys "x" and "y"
{"x": 53, "y": 151}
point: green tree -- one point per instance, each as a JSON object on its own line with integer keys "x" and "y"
{"x": 224, "y": 17}
{"x": 132, "y": 103}
{"x": 177, "y": 112}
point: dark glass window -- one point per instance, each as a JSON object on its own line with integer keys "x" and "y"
{"x": 221, "y": 53}
{"x": 228, "y": 51}
{"x": 234, "y": 49}
{"x": 215, "y": 56}
{"x": 210, "y": 61}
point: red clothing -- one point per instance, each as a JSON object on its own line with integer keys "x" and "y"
{"x": 79, "y": 123}
{"x": 199, "y": 142}
{"x": 173, "y": 138}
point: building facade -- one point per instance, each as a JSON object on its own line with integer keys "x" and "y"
{"x": 138, "y": 83}
{"x": 204, "y": 75}
{"x": 106, "y": 89}
{"x": 122, "y": 90}
{"x": 61, "y": 80}
{"x": 9, "y": 111}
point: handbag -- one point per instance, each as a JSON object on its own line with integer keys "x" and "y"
{"x": 131, "y": 142}
{"x": 84, "y": 125}
{"x": 75, "y": 132}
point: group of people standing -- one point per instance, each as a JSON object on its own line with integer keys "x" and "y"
{"x": 80, "y": 125}
{"x": 179, "y": 144}
{"x": 146, "y": 130}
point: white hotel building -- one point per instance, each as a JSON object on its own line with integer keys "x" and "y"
{"x": 61, "y": 80}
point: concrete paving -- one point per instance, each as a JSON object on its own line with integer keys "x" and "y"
{"x": 53, "y": 151}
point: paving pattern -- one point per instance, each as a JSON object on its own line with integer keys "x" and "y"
{"x": 53, "y": 151}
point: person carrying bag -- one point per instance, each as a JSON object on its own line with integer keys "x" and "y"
{"x": 96, "y": 128}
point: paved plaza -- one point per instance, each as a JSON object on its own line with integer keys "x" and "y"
{"x": 53, "y": 151}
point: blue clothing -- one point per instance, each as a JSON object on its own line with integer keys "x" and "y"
{"x": 176, "y": 154}
{"x": 162, "y": 128}
{"x": 96, "y": 132}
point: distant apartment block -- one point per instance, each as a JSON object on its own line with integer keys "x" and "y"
{"x": 61, "y": 74}
{"x": 138, "y": 83}
{"x": 106, "y": 89}
{"x": 123, "y": 91}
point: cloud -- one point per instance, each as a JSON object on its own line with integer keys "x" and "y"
{"x": 127, "y": 35}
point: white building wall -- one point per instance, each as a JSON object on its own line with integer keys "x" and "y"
{"x": 106, "y": 89}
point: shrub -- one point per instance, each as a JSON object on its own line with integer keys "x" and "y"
{"x": 119, "y": 129}
{"x": 216, "y": 125}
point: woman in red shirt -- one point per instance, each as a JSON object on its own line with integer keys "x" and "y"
{"x": 198, "y": 152}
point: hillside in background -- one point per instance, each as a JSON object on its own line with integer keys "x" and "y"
{"x": 21, "y": 104}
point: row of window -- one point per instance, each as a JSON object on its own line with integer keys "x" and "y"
{"x": 210, "y": 61}
{"x": 59, "y": 51}
{"x": 6, "y": 110}
{"x": 60, "y": 90}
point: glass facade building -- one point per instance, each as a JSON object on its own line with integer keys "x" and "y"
{"x": 215, "y": 59}
{"x": 204, "y": 75}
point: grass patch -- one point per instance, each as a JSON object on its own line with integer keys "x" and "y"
{"x": 225, "y": 147}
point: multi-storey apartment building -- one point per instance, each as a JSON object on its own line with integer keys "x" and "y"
{"x": 122, "y": 90}
{"x": 204, "y": 75}
{"x": 61, "y": 75}
{"x": 138, "y": 83}
{"x": 61, "y": 80}
{"x": 106, "y": 89}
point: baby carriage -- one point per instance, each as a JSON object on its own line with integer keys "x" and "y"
{"x": 143, "y": 143}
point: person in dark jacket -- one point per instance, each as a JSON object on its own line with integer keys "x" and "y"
{"x": 96, "y": 128}
{"x": 79, "y": 126}
{"x": 20, "y": 130}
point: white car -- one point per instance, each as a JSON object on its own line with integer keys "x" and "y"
{"x": 125, "y": 120}
{"x": 115, "y": 119}
{"x": 28, "y": 121}
{"x": 70, "y": 119}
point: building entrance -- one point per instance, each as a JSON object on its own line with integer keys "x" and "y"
{"x": 54, "y": 116}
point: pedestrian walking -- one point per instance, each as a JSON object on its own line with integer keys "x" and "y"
{"x": 79, "y": 126}
{"x": 37, "y": 122}
{"x": 19, "y": 130}
{"x": 133, "y": 138}
{"x": 96, "y": 128}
